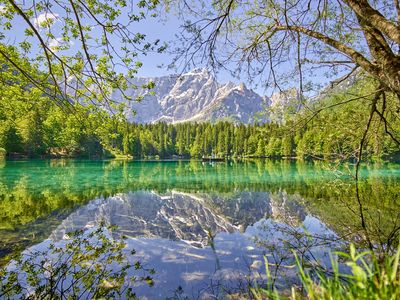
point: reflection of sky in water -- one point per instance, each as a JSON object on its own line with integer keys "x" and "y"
{"x": 170, "y": 233}
{"x": 35, "y": 196}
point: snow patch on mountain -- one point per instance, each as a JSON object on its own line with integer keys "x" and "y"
{"x": 193, "y": 96}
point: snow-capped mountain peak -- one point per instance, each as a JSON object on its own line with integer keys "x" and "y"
{"x": 193, "y": 96}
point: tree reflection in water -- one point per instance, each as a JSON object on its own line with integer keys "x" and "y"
{"x": 173, "y": 211}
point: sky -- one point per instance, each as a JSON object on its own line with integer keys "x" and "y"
{"x": 154, "y": 64}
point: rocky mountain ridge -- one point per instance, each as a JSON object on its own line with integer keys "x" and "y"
{"x": 193, "y": 96}
{"x": 182, "y": 216}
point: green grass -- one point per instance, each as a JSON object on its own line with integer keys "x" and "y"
{"x": 367, "y": 278}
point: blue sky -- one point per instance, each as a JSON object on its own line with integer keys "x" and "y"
{"x": 155, "y": 64}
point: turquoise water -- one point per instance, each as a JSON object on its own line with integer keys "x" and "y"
{"x": 91, "y": 178}
{"x": 170, "y": 208}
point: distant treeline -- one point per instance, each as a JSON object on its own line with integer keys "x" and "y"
{"x": 50, "y": 134}
{"x": 226, "y": 139}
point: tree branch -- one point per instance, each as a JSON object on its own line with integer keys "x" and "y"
{"x": 356, "y": 56}
{"x": 375, "y": 18}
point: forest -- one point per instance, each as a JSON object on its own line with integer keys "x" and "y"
{"x": 33, "y": 126}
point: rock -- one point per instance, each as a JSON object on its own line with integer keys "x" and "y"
{"x": 193, "y": 96}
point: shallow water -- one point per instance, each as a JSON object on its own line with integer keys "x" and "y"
{"x": 199, "y": 225}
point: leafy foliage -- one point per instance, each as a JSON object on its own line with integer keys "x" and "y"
{"x": 366, "y": 277}
{"x": 76, "y": 50}
{"x": 90, "y": 264}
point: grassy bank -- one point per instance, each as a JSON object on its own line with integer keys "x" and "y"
{"x": 354, "y": 275}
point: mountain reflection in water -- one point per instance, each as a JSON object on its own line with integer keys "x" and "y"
{"x": 197, "y": 223}
{"x": 171, "y": 233}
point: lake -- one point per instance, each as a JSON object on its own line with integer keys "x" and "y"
{"x": 201, "y": 226}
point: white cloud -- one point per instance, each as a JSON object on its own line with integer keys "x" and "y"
{"x": 55, "y": 43}
{"x": 2, "y": 9}
{"x": 58, "y": 43}
{"x": 45, "y": 19}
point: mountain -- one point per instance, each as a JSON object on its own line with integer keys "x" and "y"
{"x": 184, "y": 216}
{"x": 193, "y": 96}
{"x": 284, "y": 103}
